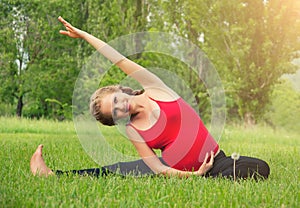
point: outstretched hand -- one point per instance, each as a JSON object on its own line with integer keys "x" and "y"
{"x": 70, "y": 31}
{"x": 206, "y": 165}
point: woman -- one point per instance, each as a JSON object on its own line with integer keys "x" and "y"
{"x": 159, "y": 119}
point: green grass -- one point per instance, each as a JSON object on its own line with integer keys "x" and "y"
{"x": 62, "y": 150}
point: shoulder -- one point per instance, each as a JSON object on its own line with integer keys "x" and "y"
{"x": 133, "y": 135}
{"x": 162, "y": 93}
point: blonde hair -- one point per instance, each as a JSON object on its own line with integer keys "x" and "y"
{"x": 99, "y": 95}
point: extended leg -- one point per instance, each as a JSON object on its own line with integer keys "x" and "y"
{"x": 134, "y": 168}
{"x": 95, "y": 172}
{"x": 37, "y": 163}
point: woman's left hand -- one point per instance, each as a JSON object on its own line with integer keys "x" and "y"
{"x": 206, "y": 165}
{"x": 71, "y": 31}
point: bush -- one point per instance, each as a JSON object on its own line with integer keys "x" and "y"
{"x": 284, "y": 111}
{"x": 7, "y": 109}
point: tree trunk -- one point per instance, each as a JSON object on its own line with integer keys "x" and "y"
{"x": 138, "y": 18}
{"x": 20, "y": 106}
{"x": 249, "y": 120}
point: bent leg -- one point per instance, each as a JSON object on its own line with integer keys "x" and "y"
{"x": 246, "y": 167}
{"x": 252, "y": 167}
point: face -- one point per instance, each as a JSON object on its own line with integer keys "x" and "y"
{"x": 116, "y": 104}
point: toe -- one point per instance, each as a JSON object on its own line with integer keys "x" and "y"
{"x": 39, "y": 149}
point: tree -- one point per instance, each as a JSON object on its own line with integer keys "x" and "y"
{"x": 37, "y": 55}
{"x": 170, "y": 17}
{"x": 284, "y": 110}
{"x": 8, "y": 54}
{"x": 251, "y": 43}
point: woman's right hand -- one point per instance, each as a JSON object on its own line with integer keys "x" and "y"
{"x": 206, "y": 165}
{"x": 71, "y": 31}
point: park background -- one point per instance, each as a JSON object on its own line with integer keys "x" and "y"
{"x": 253, "y": 44}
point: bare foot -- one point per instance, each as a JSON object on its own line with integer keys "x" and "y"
{"x": 37, "y": 164}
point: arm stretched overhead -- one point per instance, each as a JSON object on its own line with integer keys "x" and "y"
{"x": 147, "y": 79}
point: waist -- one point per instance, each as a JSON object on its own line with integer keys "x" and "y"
{"x": 218, "y": 151}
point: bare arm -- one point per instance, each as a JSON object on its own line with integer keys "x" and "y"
{"x": 139, "y": 73}
{"x": 152, "y": 161}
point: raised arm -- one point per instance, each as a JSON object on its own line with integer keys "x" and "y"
{"x": 139, "y": 73}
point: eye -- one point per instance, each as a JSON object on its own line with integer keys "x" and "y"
{"x": 115, "y": 100}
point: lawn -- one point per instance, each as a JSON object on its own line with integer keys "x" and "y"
{"x": 63, "y": 150}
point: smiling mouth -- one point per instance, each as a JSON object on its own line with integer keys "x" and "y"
{"x": 127, "y": 107}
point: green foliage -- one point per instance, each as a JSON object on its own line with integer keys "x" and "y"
{"x": 6, "y": 109}
{"x": 62, "y": 111}
{"x": 40, "y": 54}
{"x": 259, "y": 41}
{"x": 49, "y": 62}
{"x": 284, "y": 110}
{"x": 251, "y": 43}
{"x": 8, "y": 54}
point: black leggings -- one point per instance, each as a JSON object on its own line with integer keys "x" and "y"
{"x": 246, "y": 167}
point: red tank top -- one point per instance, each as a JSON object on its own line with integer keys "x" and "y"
{"x": 181, "y": 135}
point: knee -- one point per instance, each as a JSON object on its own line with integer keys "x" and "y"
{"x": 263, "y": 169}
{"x": 253, "y": 168}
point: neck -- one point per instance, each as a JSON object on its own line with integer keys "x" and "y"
{"x": 139, "y": 103}
{"x": 146, "y": 114}
{"x": 142, "y": 105}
